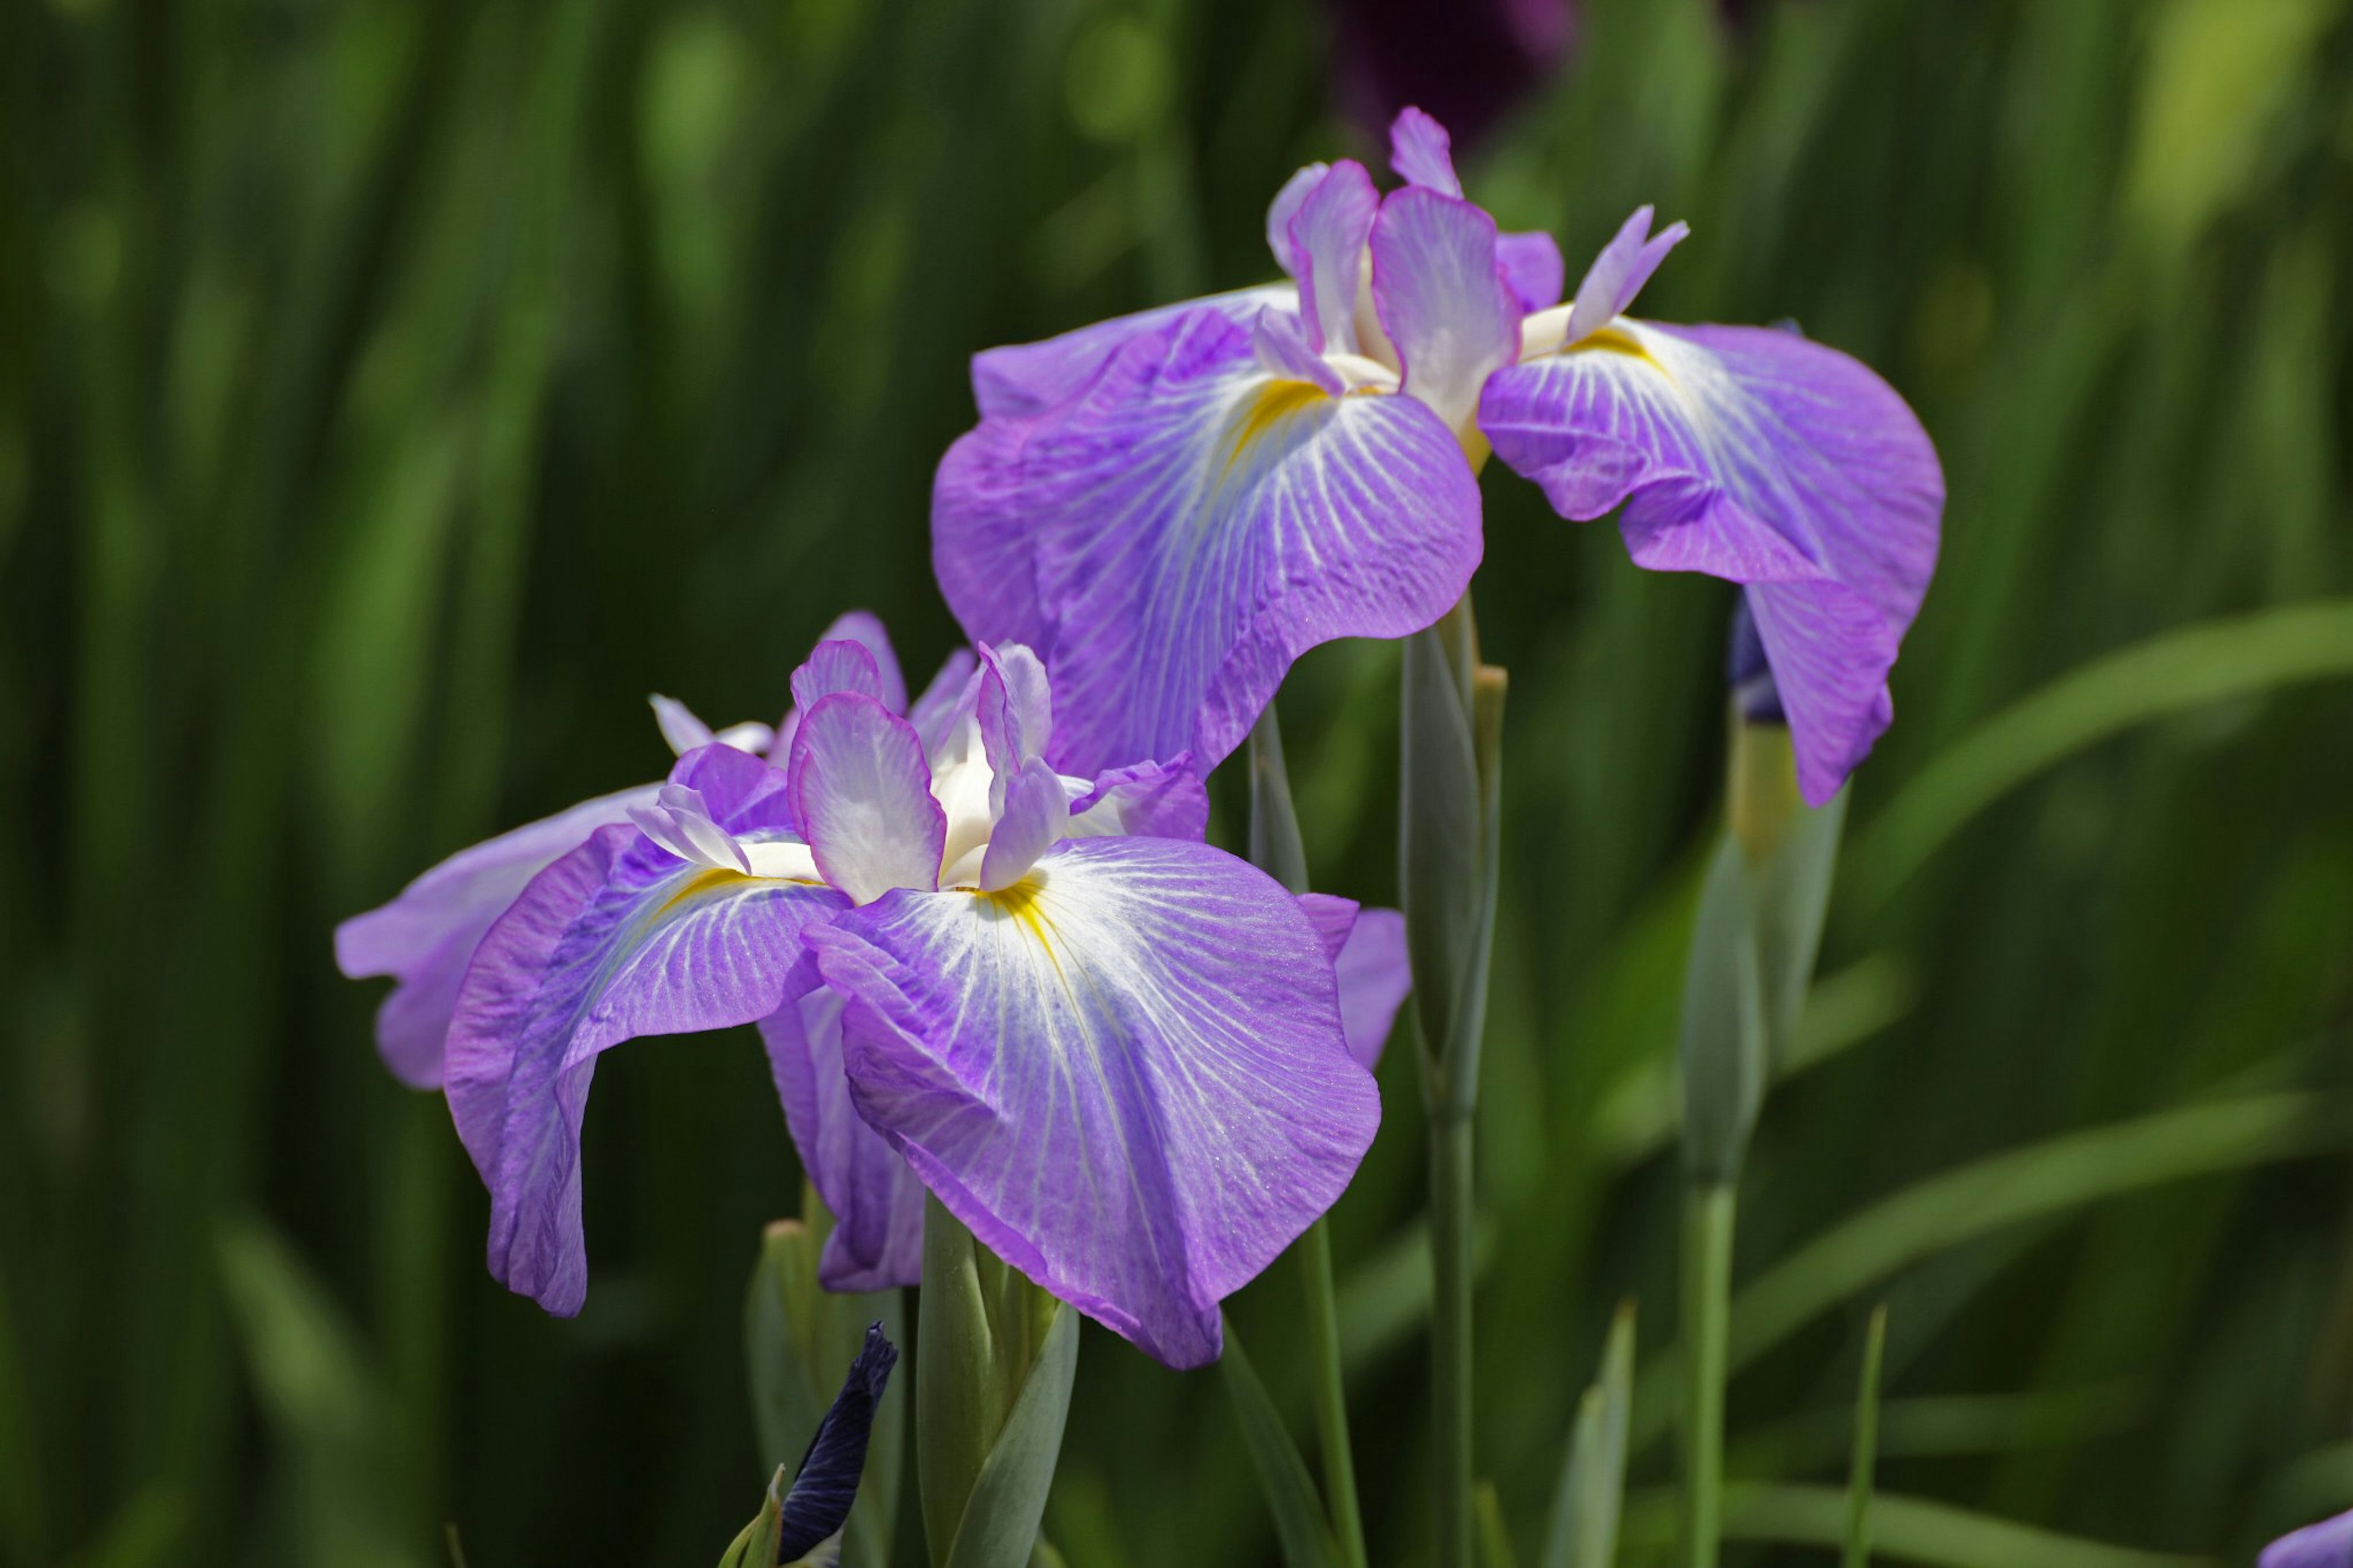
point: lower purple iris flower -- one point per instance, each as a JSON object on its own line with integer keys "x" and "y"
{"x": 1123, "y": 1058}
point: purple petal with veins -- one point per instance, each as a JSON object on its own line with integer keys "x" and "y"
{"x": 617, "y": 939}
{"x": 1187, "y": 528}
{"x": 1758, "y": 456}
{"x": 1422, "y": 154}
{"x": 1177, "y": 1106}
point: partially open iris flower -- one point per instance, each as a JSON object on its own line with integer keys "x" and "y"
{"x": 425, "y": 938}
{"x": 1121, "y": 1057}
{"x": 1172, "y": 506}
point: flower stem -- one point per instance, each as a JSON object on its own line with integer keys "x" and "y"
{"x": 1708, "y": 1212}
{"x": 1314, "y": 1250}
{"x": 1275, "y": 848}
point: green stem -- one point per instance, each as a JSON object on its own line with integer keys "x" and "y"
{"x": 1450, "y": 1331}
{"x": 1708, "y": 1212}
{"x": 1314, "y": 1250}
{"x": 1276, "y": 849}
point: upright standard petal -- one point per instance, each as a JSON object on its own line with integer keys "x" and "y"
{"x": 426, "y": 936}
{"x": 865, "y": 628}
{"x": 1029, "y": 378}
{"x": 1532, "y": 268}
{"x": 1191, "y": 525}
{"x": 862, "y": 793}
{"x": 1126, "y": 1074}
{"x": 1619, "y": 273}
{"x": 617, "y": 939}
{"x": 1443, "y": 300}
{"x": 1755, "y": 456}
{"x": 877, "y": 1241}
{"x": 1327, "y": 241}
{"x": 1422, "y": 154}
{"x": 1284, "y": 207}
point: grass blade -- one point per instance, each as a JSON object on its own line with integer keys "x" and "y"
{"x": 1584, "y": 1506}
{"x": 1299, "y": 1521}
{"x": 2169, "y": 673}
{"x": 1866, "y": 1443}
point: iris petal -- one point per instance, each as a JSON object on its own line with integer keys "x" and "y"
{"x": 1126, "y": 1075}
{"x": 616, "y": 939}
{"x": 862, "y": 793}
{"x": 877, "y": 1241}
{"x": 1755, "y": 456}
{"x": 1442, "y": 298}
{"x": 1327, "y": 240}
{"x": 1029, "y": 378}
{"x": 1189, "y": 526}
{"x": 1422, "y": 154}
{"x": 426, "y": 936}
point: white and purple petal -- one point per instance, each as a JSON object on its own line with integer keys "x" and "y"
{"x": 1283, "y": 208}
{"x": 1422, "y": 154}
{"x": 877, "y": 1242}
{"x": 617, "y": 939}
{"x": 1753, "y": 455}
{"x": 1442, "y": 299}
{"x": 1126, "y": 1075}
{"x": 1195, "y": 525}
{"x": 1327, "y": 240}
{"x": 1619, "y": 273}
{"x": 425, "y": 938}
{"x": 861, "y": 796}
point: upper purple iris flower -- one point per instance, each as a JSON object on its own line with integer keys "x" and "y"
{"x": 1121, "y": 1057}
{"x": 1172, "y": 506}
{"x": 2329, "y": 1544}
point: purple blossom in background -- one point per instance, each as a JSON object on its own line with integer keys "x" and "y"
{"x": 1466, "y": 61}
{"x": 2329, "y": 1544}
{"x": 1120, "y": 1056}
{"x": 1172, "y": 506}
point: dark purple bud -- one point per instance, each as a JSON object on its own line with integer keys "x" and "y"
{"x": 2329, "y": 1544}
{"x": 1465, "y": 62}
{"x": 1747, "y": 672}
{"x": 827, "y": 1483}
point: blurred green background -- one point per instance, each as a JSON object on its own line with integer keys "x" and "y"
{"x": 393, "y": 392}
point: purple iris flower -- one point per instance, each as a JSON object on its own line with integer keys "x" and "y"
{"x": 1121, "y": 1057}
{"x": 1172, "y": 506}
{"x": 425, "y": 938}
{"x": 2329, "y": 1544}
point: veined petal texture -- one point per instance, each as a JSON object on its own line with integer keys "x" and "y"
{"x": 1126, "y": 1074}
{"x": 877, "y": 1241}
{"x": 426, "y": 936}
{"x": 1029, "y": 378}
{"x": 1755, "y": 456}
{"x": 617, "y": 939}
{"x": 1443, "y": 300}
{"x": 1172, "y": 539}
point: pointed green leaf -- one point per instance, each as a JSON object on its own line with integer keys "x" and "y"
{"x": 1494, "y": 1536}
{"x": 1866, "y": 1443}
{"x": 1584, "y": 1506}
{"x": 999, "y": 1528}
{"x": 1291, "y": 1497}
